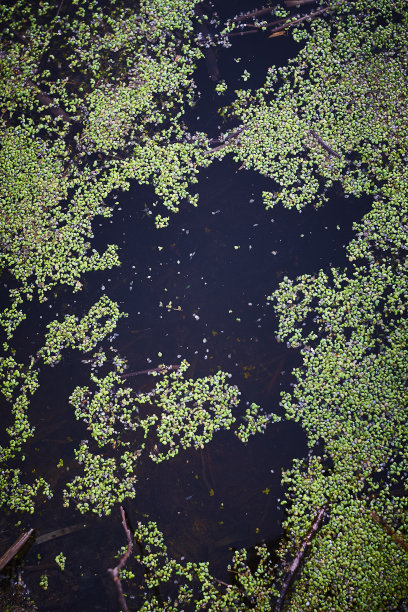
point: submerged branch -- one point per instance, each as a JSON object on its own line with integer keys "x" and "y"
{"x": 290, "y": 3}
{"x": 160, "y": 369}
{"x": 324, "y": 144}
{"x": 244, "y": 32}
{"x": 253, "y": 14}
{"x": 114, "y": 572}
{"x": 290, "y": 24}
{"x": 226, "y": 141}
{"x": 15, "y": 548}
{"x": 389, "y": 530}
{"x": 294, "y": 566}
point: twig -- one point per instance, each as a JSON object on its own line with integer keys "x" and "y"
{"x": 290, "y": 24}
{"x": 161, "y": 369}
{"x": 58, "y": 533}
{"x": 259, "y": 28}
{"x": 244, "y": 33}
{"x": 253, "y": 14}
{"x": 226, "y": 141}
{"x": 15, "y": 548}
{"x": 222, "y": 582}
{"x": 294, "y": 566}
{"x": 389, "y": 530}
{"x": 324, "y": 144}
{"x": 59, "y": 8}
{"x": 290, "y": 3}
{"x": 114, "y": 572}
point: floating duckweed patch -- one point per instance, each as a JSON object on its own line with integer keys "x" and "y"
{"x": 94, "y": 99}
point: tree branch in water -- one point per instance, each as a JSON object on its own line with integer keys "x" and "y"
{"x": 253, "y": 14}
{"x": 324, "y": 144}
{"x": 290, "y": 3}
{"x": 160, "y": 369}
{"x": 114, "y": 572}
{"x": 290, "y": 24}
{"x": 294, "y": 566}
{"x": 389, "y": 530}
{"x": 15, "y": 548}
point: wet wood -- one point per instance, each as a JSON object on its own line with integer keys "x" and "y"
{"x": 324, "y": 144}
{"x": 226, "y": 141}
{"x": 290, "y": 3}
{"x": 294, "y": 566}
{"x": 258, "y": 28}
{"x": 15, "y": 548}
{"x": 256, "y": 13}
{"x": 244, "y": 32}
{"x": 58, "y": 533}
{"x": 115, "y": 571}
{"x": 293, "y": 22}
{"x": 395, "y": 537}
{"x": 160, "y": 369}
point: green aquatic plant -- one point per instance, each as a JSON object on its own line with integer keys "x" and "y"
{"x": 191, "y": 584}
{"x": 337, "y": 115}
{"x": 84, "y": 334}
{"x": 105, "y": 481}
{"x": 181, "y": 412}
{"x": 60, "y": 560}
{"x": 77, "y": 125}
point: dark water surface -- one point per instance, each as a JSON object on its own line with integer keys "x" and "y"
{"x": 226, "y": 496}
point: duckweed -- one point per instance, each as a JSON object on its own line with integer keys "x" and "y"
{"x": 77, "y": 126}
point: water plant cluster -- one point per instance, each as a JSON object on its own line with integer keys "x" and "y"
{"x": 177, "y": 413}
{"x": 337, "y": 115}
{"x": 340, "y": 117}
{"x": 196, "y": 588}
{"x": 93, "y": 96}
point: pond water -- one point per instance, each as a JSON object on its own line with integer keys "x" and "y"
{"x": 197, "y": 291}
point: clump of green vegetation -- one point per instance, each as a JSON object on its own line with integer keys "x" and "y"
{"x": 177, "y": 413}
{"x": 77, "y": 126}
{"x": 193, "y": 583}
{"x": 44, "y": 581}
{"x": 337, "y": 114}
{"x": 349, "y": 123}
{"x": 104, "y": 482}
{"x": 83, "y": 335}
{"x": 60, "y": 560}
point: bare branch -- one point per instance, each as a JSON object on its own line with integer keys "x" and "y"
{"x": 389, "y": 530}
{"x": 290, "y": 24}
{"x": 244, "y": 32}
{"x": 161, "y": 369}
{"x": 226, "y": 140}
{"x": 253, "y": 14}
{"x": 294, "y": 566}
{"x": 324, "y": 144}
{"x": 58, "y": 533}
{"x": 15, "y": 548}
{"x": 290, "y": 3}
{"x": 116, "y": 570}
{"x": 59, "y": 8}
